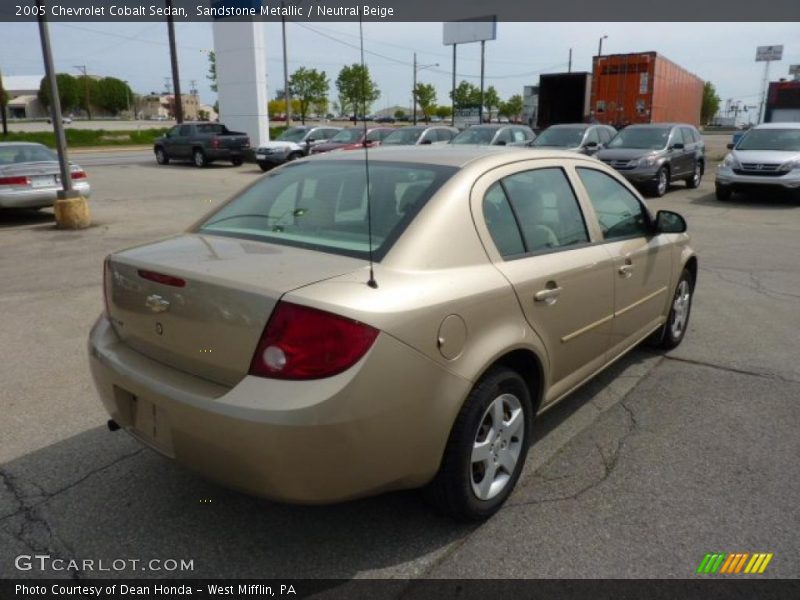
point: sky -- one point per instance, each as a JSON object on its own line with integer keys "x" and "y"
{"x": 723, "y": 53}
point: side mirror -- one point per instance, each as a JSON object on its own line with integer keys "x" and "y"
{"x": 310, "y": 140}
{"x": 678, "y": 146}
{"x": 590, "y": 144}
{"x": 669, "y": 222}
{"x": 730, "y": 146}
{"x": 428, "y": 141}
{"x": 501, "y": 143}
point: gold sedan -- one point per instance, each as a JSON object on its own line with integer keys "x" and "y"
{"x": 339, "y": 329}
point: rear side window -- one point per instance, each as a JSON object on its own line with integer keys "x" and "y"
{"x": 619, "y": 212}
{"x": 322, "y": 206}
{"x": 534, "y": 211}
{"x": 676, "y": 137}
{"x": 444, "y": 135}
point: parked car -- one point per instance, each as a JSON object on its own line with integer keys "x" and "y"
{"x": 30, "y": 176}
{"x": 202, "y": 143}
{"x": 495, "y": 135}
{"x": 353, "y": 138}
{"x": 767, "y": 156}
{"x": 654, "y": 155}
{"x": 64, "y": 120}
{"x": 575, "y": 137}
{"x": 357, "y": 338}
{"x": 294, "y": 143}
{"x": 420, "y": 134}
{"x": 385, "y": 119}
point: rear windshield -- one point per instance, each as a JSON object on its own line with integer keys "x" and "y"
{"x": 348, "y": 136}
{"x": 322, "y": 205}
{"x": 475, "y": 135}
{"x": 641, "y": 138}
{"x": 216, "y": 129}
{"x": 22, "y": 153}
{"x": 561, "y": 137}
{"x": 404, "y": 136}
{"x": 771, "y": 139}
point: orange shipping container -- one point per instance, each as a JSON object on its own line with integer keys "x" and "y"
{"x": 643, "y": 87}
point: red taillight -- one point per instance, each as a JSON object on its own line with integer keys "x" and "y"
{"x": 215, "y": 143}
{"x": 305, "y": 343}
{"x": 14, "y": 181}
{"x": 78, "y": 174}
{"x": 162, "y": 278}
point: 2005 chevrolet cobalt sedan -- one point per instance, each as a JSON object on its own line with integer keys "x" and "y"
{"x": 259, "y": 349}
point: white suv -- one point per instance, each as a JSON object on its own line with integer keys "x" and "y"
{"x": 767, "y": 156}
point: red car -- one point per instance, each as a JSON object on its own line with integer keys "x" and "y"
{"x": 353, "y": 138}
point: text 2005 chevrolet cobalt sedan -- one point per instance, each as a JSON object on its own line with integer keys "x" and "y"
{"x": 257, "y": 348}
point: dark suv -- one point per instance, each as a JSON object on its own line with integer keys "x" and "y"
{"x": 652, "y": 156}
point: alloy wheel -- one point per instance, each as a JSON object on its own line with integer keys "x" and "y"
{"x": 680, "y": 309}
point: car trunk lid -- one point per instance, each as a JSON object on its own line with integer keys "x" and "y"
{"x": 199, "y": 303}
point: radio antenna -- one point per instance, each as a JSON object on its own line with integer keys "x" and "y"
{"x": 371, "y": 282}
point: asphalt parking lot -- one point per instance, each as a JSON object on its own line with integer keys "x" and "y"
{"x": 640, "y": 473}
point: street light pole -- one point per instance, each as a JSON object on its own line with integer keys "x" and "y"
{"x": 71, "y": 209}
{"x": 176, "y": 80}
{"x": 86, "y": 99}
{"x": 286, "y": 95}
{"x": 417, "y": 68}
{"x": 600, "y": 46}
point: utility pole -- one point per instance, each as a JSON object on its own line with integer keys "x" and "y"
{"x": 414, "y": 91}
{"x": 483, "y": 56}
{"x": 600, "y": 46}
{"x": 569, "y": 64}
{"x": 286, "y": 94}
{"x": 71, "y": 209}
{"x": 176, "y": 80}
{"x": 86, "y": 99}
{"x": 453, "y": 94}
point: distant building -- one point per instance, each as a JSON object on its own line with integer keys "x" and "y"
{"x": 23, "y": 101}
{"x": 161, "y": 107}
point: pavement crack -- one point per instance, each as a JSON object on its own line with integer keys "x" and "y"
{"x": 702, "y": 363}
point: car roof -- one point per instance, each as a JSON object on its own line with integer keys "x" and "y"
{"x": 657, "y": 125}
{"x": 575, "y": 125}
{"x": 5, "y": 144}
{"x": 787, "y": 125}
{"x": 452, "y": 156}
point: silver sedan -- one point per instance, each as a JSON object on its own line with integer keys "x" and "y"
{"x": 30, "y": 177}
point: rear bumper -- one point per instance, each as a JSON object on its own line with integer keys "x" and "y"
{"x": 224, "y": 153}
{"x": 38, "y": 198}
{"x": 365, "y": 431}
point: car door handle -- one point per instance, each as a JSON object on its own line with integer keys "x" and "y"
{"x": 626, "y": 270}
{"x": 548, "y": 295}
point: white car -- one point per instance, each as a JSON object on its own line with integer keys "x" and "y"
{"x": 294, "y": 143}
{"x": 767, "y": 156}
{"x": 30, "y": 176}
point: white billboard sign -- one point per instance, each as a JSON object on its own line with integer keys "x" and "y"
{"x": 794, "y": 69}
{"x": 764, "y": 53}
{"x": 470, "y": 30}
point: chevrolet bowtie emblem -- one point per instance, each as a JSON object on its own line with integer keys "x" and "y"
{"x": 156, "y": 303}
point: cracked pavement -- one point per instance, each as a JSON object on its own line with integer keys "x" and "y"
{"x": 638, "y": 474}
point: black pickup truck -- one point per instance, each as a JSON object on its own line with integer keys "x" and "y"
{"x": 202, "y": 143}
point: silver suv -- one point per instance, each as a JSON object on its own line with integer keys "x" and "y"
{"x": 767, "y": 156}
{"x": 653, "y": 156}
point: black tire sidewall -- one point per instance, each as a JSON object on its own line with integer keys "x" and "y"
{"x": 458, "y": 462}
{"x": 668, "y": 340}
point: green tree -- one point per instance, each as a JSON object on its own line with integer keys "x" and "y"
{"x": 491, "y": 99}
{"x": 399, "y": 114}
{"x": 710, "y": 104}
{"x": 466, "y": 95}
{"x": 67, "y": 91}
{"x": 425, "y": 96}
{"x": 212, "y": 70}
{"x": 3, "y": 105}
{"x": 86, "y": 88}
{"x": 357, "y": 90}
{"x": 309, "y": 86}
{"x": 111, "y": 95}
{"x": 512, "y": 107}
{"x": 443, "y": 112}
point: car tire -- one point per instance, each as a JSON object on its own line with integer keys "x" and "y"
{"x": 723, "y": 192}
{"x": 671, "y": 334}
{"x": 693, "y": 182}
{"x": 294, "y": 156}
{"x": 489, "y": 439}
{"x": 199, "y": 158}
{"x": 263, "y": 166}
{"x": 161, "y": 156}
{"x": 660, "y": 186}
{"x": 237, "y": 162}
